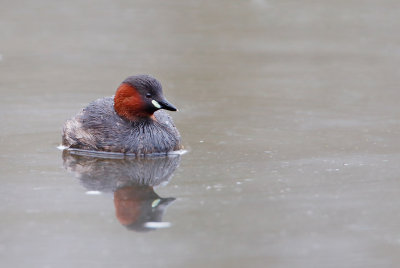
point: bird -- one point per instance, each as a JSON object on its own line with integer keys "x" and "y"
{"x": 133, "y": 121}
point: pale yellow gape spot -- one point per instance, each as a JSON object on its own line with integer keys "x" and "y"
{"x": 156, "y": 104}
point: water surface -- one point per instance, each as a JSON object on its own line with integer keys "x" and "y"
{"x": 288, "y": 109}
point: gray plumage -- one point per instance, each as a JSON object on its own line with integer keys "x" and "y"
{"x": 98, "y": 127}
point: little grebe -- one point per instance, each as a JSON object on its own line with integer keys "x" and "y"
{"x": 131, "y": 122}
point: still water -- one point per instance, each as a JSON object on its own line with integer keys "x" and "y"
{"x": 288, "y": 111}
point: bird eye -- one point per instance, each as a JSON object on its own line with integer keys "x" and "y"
{"x": 148, "y": 95}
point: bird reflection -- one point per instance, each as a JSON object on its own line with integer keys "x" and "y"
{"x": 137, "y": 206}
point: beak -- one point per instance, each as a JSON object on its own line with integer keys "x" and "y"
{"x": 167, "y": 106}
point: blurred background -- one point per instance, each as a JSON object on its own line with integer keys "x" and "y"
{"x": 288, "y": 109}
